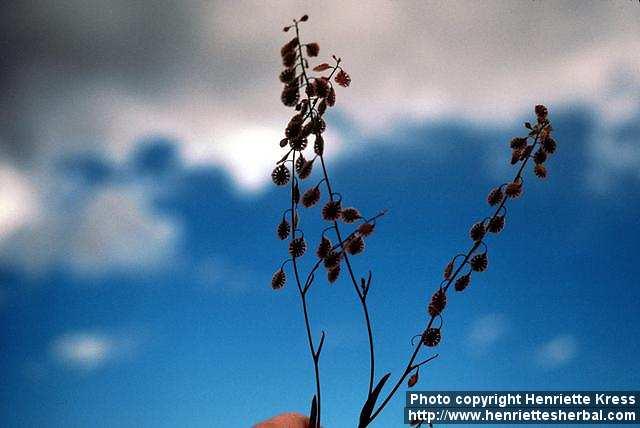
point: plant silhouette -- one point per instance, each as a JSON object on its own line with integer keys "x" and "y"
{"x": 311, "y": 91}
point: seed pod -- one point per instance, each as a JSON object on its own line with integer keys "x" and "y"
{"x": 332, "y": 260}
{"x": 278, "y": 280}
{"x": 496, "y": 224}
{"x": 549, "y": 145}
{"x": 431, "y": 337}
{"x": 300, "y": 162}
{"x": 479, "y": 262}
{"x": 477, "y": 231}
{"x": 448, "y": 270}
{"x": 540, "y": 171}
{"x": 333, "y": 273}
{"x": 305, "y": 170}
{"x": 342, "y": 78}
{"x": 318, "y": 145}
{"x": 331, "y": 97}
{"x": 355, "y": 245}
{"x": 540, "y": 157}
{"x": 287, "y": 75}
{"x": 289, "y": 59}
{"x": 514, "y": 190}
{"x": 366, "y": 229}
{"x": 313, "y": 49}
{"x": 318, "y": 125}
{"x": 323, "y": 248}
{"x": 331, "y": 211}
{"x": 541, "y": 111}
{"x": 438, "y": 302}
{"x": 294, "y": 127}
{"x": 311, "y": 197}
{"x": 518, "y": 143}
{"x": 281, "y": 175}
{"x": 462, "y": 282}
{"x": 413, "y": 379}
{"x": 298, "y": 144}
{"x": 515, "y": 156}
{"x": 322, "y": 87}
{"x": 289, "y": 47}
{"x": 350, "y": 214}
{"x": 495, "y": 196}
{"x": 297, "y": 247}
{"x": 310, "y": 89}
{"x": 283, "y": 229}
{"x": 290, "y": 95}
{"x": 284, "y": 142}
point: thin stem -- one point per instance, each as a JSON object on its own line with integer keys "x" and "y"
{"x": 409, "y": 367}
{"x": 361, "y": 296}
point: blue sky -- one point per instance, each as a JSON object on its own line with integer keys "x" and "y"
{"x": 137, "y": 234}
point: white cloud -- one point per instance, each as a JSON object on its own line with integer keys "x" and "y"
{"x": 114, "y": 228}
{"x": 558, "y": 351}
{"x": 208, "y": 70}
{"x": 89, "y": 351}
{"x": 486, "y": 331}
{"x": 18, "y": 201}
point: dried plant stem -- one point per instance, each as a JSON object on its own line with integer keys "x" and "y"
{"x": 410, "y": 365}
{"x": 361, "y": 294}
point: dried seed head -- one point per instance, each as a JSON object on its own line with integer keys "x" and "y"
{"x": 281, "y": 175}
{"x": 306, "y": 169}
{"x": 513, "y": 190}
{"x": 495, "y": 196}
{"x": 462, "y": 282}
{"x": 331, "y": 97}
{"x": 287, "y": 75}
{"x": 318, "y": 145}
{"x": 431, "y": 337}
{"x": 298, "y": 144}
{"x": 540, "y": 171}
{"x": 541, "y": 111}
{"x": 479, "y": 262}
{"x": 355, "y": 245}
{"x": 318, "y": 125}
{"x": 342, "y": 78}
{"x": 332, "y": 259}
{"x": 294, "y": 127}
{"x": 297, "y": 247}
{"x": 366, "y": 229}
{"x": 311, "y": 197}
{"x": 290, "y": 95}
{"x": 540, "y": 156}
{"x": 289, "y": 47}
{"x": 350, "y": 214}
{"x": 313, "y": 49}
{"x": 477, "y": 231}
{"x": 283, "y": 229}
{"x": 515, "y": 156}
{"x": 518, "y": 143}
{"x": 300, "y": 161}
{"x": 332, "y": 210}
{"x": 333, "y": 274}
{"x": 304, "y": 18}
{"x": 322, "y": 87}
{"x": 438, "y": 302}
{"x": 323, "y": 248}
{"x": 496, "y": 224}
{"x": 448, "y": 270}
{"x": 549, "y": 145}
{"x": 278, "y": 280}
{"x": 289, "y": 59}
{"x": 413, "y": 380}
